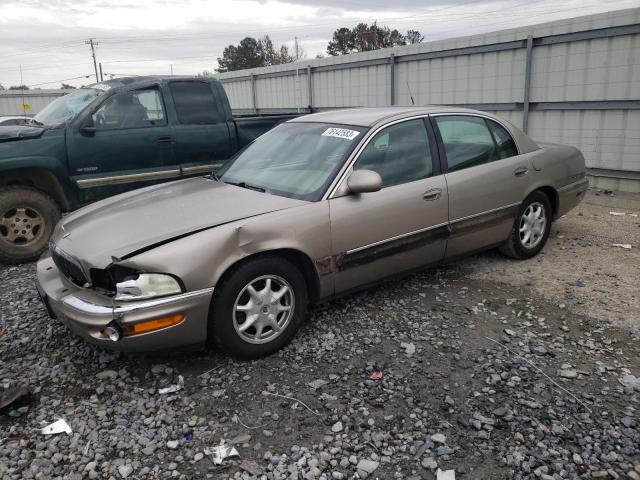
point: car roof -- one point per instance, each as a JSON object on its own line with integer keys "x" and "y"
{"x": 370, "y": 116}
{"x": 378, "y": 116}
{"x": 14, "y": 117}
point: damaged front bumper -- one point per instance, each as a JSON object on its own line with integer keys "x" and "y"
{"x": 88, "y": 314}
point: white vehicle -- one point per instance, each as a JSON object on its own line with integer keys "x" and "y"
{"x": 6, "y": 121}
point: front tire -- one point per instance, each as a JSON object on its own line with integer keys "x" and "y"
{"x": 27, "y": 219}
{"x": 258, "y": 307}
{"x": 531, "y": 227}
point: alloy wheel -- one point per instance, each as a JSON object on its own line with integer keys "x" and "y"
{"x": 21, "y": 226}
{"x": 263, "y": 309}
{"x": 533, "y": 224}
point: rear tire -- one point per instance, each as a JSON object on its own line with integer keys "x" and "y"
{"x": 530, "y": 229}
{"x": 27, "y": 219}
{"x": 258, "y": 307}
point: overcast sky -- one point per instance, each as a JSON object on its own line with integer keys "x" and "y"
{"x": 47, "y": 37}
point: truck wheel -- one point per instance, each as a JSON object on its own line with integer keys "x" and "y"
{"x": 258, "y": 308}
{"x": 27, "y": 219}
{"x": 531, "y": 228}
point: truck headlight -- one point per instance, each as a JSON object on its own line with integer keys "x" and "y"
{"x": 146, "y": 286}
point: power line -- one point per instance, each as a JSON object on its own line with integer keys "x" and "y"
{"x": 59, "y": 81}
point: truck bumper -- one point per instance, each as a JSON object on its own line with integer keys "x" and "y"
{"x": 88, "y": 314}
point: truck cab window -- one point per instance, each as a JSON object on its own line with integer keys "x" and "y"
{"x": 194, "y": 102}
{"x": 134, "y": 109}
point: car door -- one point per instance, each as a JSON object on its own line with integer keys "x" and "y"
{"x": 125, "y": 143}
{"x": 400, "y": 227}
{"x": 486, "y": 179}
{"x": 203, "y": 140}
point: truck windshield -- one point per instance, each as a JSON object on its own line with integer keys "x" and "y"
{"x": 296, "y": 160}
{"x": 66, "y": 107}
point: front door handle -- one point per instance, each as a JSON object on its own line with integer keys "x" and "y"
{"x": 520, "y": 171}
{"x": 433, "y": 194}
{"x": 165, "y": 139}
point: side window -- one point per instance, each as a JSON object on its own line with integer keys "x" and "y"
{"x": 194, "y": 102}
{"x": 399, "y": 153}
{"x": 467, "y": 141}
{"x": 134, "y": 109}
{"x": 505, "y": 145}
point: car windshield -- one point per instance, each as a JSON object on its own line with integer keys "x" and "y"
{"x": 66, "y": 107}
{"x": 296, "y": 159}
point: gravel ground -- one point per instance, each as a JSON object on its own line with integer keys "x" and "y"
{"x": 492, "y": 368}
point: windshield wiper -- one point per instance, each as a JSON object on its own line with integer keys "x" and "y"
{"x": 246, "y": 185}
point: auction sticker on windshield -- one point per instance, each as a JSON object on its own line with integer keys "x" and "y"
{"x": 341, "y": 133}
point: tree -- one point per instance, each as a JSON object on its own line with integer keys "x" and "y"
{"x": 414, "y": 36}
{"x": 18, "y": 87}
{"x": 205, "y": 74}
{"x": 67, "y": 86}
{"x": 1, "y": 87}
{"x": 248, "y": 54}
{"x": 252, "y": 53}
{"x": 342, "y": 43}
{"x": 364, "y": 37}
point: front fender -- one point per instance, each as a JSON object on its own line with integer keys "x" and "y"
{"x": 201, "y": 259}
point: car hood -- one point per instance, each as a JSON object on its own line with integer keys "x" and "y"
{"x": 19, "y": 132}
{"x": 136, "y": 221}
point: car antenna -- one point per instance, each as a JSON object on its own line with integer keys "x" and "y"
{"x": 410, "y": 95}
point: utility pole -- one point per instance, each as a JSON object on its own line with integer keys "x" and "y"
{"x": 172, "y": 69}
{"x": 296, "y": 46}
{"x": 93, "y": 54}
{"x": 101, "y": 77}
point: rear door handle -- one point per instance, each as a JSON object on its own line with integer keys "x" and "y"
{"x": 520, "y": 171}
{"x": 166, "y": 139}
{"x": 433, "y": 194}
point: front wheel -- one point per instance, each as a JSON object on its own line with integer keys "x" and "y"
{"x": 27, "y": 219}
{"x": 531, "y": 227}
{"x": 258, "y": 308}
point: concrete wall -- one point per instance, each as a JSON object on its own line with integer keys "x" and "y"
{"x": 583, "y": 87}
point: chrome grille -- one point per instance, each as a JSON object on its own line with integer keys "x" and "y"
{"x": 69, "y": 267}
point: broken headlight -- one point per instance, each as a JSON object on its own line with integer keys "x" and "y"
{"x": 144, "y": 286}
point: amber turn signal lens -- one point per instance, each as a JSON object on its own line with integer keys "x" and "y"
{"x": 151, "y": 325}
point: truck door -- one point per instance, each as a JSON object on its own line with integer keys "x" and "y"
{"x": 203, "y": 140}
{"x": 125, "y": 143}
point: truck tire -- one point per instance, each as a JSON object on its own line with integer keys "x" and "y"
{"x": 27, "y": 219}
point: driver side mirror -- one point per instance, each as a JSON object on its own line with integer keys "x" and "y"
{"x": 88, "y": 129}
{"x": 364, "y": 181}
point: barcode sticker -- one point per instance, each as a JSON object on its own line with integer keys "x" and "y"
{"x": 341, "y": 133}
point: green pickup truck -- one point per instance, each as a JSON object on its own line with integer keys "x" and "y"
{"x": 108, "y": 138}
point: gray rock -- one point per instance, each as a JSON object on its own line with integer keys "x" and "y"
{"x": 172, "y": 444}
{"x": 368, "y": 466}
{"x": 125, "y": 470}
{"x": 429, "y": 462}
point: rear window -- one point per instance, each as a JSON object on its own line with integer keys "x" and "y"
{"x": 194, "y": 102}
